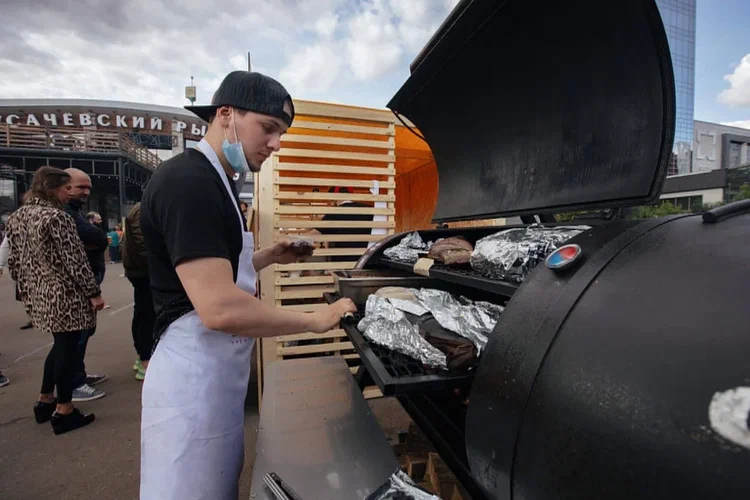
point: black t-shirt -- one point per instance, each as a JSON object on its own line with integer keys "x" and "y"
{"x": 186, "y": 213}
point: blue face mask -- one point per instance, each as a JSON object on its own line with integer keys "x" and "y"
{"x": 234, "y": 153}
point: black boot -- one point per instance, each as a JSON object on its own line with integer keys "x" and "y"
{"x": 43, "y": 411}
{"x": 27, "y": 326}
{"x": 71, "y": 421}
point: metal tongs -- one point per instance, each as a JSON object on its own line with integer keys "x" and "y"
{"x": 280, "y": 489}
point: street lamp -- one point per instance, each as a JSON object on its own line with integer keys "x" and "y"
{"x": 190, "y": 92}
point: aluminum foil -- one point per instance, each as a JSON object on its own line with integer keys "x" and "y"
{"x": 407, "y": 249}
{"x": 400, "y": 487}
{"x": 511, "y": 254}
{"x": 472, "y": 320}
{"x": 411, "y": 306}
{"x": 385, "y": 325}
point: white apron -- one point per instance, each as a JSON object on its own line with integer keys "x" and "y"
{"x": 192, "y": 432}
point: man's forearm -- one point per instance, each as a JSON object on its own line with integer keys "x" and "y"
{"x": 242, "y": 314}
{"x": 262, "y": 259}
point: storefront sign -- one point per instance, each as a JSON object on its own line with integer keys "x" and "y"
{"x": 104, "y": 121}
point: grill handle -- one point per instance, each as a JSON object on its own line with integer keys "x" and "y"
{"x": 330, "y": 298}
{"x": 724, "y": 212}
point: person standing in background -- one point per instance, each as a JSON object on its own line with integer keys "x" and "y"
{"x": 347, "y": 230}
{"x": 135, "y": 262}
{"x": 114, "y": 245}
{"x": 100, "y": 266}
{"x": 95, "y": 244}
{"x": 57, "y": 287}
{"x": 4, "y": 249}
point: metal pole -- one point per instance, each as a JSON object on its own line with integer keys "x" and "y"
{"x": 122, "y": 190}
{"x": 249, "y": 67}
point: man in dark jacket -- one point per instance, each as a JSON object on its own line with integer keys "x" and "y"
{"x": 95, "y": 243}
{"x": 135, "y": 262}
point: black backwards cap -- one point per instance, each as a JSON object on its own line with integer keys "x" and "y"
{"x": 252, "y": 92}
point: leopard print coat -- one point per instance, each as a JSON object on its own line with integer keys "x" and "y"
{"x": 48, "y": 263}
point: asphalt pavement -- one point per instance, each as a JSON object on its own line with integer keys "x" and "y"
{"x": 101, "y": 461}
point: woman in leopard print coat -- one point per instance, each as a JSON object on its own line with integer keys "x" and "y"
{"x": 57, "y": 287}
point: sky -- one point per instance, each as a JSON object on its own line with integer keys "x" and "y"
{"x": 722, "y": 62}
{"x": 353, "y": 52}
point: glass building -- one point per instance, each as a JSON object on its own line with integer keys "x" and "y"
{"x": 679, "y": 20}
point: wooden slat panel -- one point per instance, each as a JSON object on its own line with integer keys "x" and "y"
{"x": 338, "y": 237}
{"x": 337, "y": 141}
{"x": 303, "y": 292}
{"x": 315, "y": 266}
{"x": 327, "y": 252}
{"x": 305, "y": 307}
{"x": 350, "y": 356}
{"x": 316, "y": 348}
{"x": 339, "y": 169}
{"x": 331, "y": 334}
{"x": 292, "y": 209}
{"x": 341, "y": 127}
{"x": 296, "y": 195}
{"x": 279, "y": 222}
{"x": 338, "y": 111}
{"x": 314, "y": 181}
{"x": 305, "y": 280}
{"x": 339, "y": 155}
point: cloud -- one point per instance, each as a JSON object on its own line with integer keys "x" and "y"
{"x": 738, "y": 123}
{"x": 147, "y": 50}
{"x": 738, "y": 93}
{"x": 325, "y": 26}
{"x": 312, "y": 70}
{"x": 373, "y": 46}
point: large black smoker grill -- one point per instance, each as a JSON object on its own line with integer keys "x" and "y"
{"x": 597, "y": 381}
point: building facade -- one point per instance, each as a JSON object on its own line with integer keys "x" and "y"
{"x": 678, "y": 17}
{"x": 119, "y": 144}
{"x": 719, "y": 146}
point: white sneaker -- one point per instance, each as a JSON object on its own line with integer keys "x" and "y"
{"x": 87, "y": 393}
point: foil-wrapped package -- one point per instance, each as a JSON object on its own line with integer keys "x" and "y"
{"x": 407, "y": 249}
{"x": 385, "y": 325}
{"x": 400, "y": 487}
{"x": 511, "y": 254}
{"x": 411, "y": 306}
{"x": 472, "y": 320}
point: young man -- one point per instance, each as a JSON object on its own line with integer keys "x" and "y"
{"x": 94, "y": 243}
{"x": 203, "y": 267}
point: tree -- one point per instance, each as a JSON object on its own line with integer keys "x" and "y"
{"x": 743, "y": 194}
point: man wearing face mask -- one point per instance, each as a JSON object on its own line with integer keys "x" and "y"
{"x": 202, "y": 267}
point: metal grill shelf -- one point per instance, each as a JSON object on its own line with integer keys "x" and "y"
{"x": 395, "y": 373}
{"x": 460, "y": 276}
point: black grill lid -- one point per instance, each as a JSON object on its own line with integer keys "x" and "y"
{"x": 544, "y": 106}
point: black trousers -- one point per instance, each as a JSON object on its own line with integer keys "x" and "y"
{"x": 80, "y": 377}
{"x": 60, "y": 366}
{"x": 143, "y": 317}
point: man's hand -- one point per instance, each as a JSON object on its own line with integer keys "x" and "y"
{"x": 290, "y": 251}
{"x": 97, "y": 303}
{"x": 330, "y": 317}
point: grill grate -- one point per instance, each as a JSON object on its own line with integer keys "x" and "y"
{"x": 396, "y": 373}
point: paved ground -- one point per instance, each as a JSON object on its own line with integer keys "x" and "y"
{"x": 101, "y": 461}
